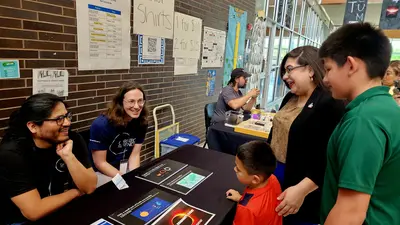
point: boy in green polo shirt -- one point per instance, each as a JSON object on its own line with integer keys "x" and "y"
{"x": 362, "y": 184}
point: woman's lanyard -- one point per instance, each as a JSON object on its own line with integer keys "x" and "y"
{"x": 123, "y": 157}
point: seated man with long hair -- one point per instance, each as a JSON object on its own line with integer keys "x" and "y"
{"x": 43, "y": 165}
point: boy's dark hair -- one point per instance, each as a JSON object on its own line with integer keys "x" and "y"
{"x": 257, "y": 157}
{"x": 360, "y": 40}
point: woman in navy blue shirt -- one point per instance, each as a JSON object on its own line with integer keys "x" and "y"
{"x": 116, "y": 137}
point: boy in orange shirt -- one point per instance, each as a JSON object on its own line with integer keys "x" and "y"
{"x": 255, "y": 163}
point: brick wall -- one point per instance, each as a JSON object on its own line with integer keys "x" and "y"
{"x": 42, "y": 34}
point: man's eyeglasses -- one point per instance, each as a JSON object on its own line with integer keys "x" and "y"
{"x": 60, "y": 120}
{"x": 289, "y": 69}
{"x": 140, "y": 102}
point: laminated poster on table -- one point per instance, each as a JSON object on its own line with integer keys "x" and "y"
{"x": 161, "y": 171}
{"x": 183, "y": 213}
{"x": 145, "y": 209}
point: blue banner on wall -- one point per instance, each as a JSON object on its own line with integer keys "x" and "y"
{"x": 235, "y": 42}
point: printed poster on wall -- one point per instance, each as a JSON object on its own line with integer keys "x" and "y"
{"x": 9, "y": 69}
{"x": 213, "y": 48}
{"x": 185, "y": 66}
{"x": 103, "y": 34}
{"x": 50, "y": 81}
{"x": 211, "y": 74}
{"x": 187, "y": 36}
{"x": 390, "y": 16}
{"x": 154, "y": 18}
{"x": 151, "y": 50}
{"x": 235, "y": 41}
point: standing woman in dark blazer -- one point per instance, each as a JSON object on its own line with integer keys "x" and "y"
{"x": 300, "y": 134}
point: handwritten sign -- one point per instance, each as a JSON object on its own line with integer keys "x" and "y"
{"x": 187, "y": 36}
{"x": 185, "y": 66}
{"x": 50, "y": 81}
{"x": 154, "y": 18}
{"x": 355, "y": 11}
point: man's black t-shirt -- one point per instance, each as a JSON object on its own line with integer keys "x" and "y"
{"x": 24, "y": 167}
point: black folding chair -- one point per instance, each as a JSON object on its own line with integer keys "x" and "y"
{"x": 208, "y": 113}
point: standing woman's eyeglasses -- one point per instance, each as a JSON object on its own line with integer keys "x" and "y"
{"x": 289, "y": 69}
{"x": 60, "y": 120}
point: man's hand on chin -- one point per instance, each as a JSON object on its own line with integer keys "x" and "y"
{"x": 64, "y": 150}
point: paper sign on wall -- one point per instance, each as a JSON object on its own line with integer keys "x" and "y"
{"x": 187, "y": 36}
{"x": 151, "y": 50}
{"x": 9, "y": 69}
{"x": 213, "y": 48}
{"x": 50, "y": 81}
{"x": 103, "y": 34}
{"x": 185, "y": 66}
{"x": 154, "y": 18}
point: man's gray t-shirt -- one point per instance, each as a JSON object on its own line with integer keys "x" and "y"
{"x": 227, "y": 94}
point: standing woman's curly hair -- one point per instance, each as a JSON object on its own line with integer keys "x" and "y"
{"x": 116, "y": 112}
{"x": 395, "y": 65}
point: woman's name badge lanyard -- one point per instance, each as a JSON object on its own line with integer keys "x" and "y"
{"x": 123, "y": 164}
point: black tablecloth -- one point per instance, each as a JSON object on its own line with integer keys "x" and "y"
{"x": 209, "y": 195}
{"x": 225, "y": 139}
